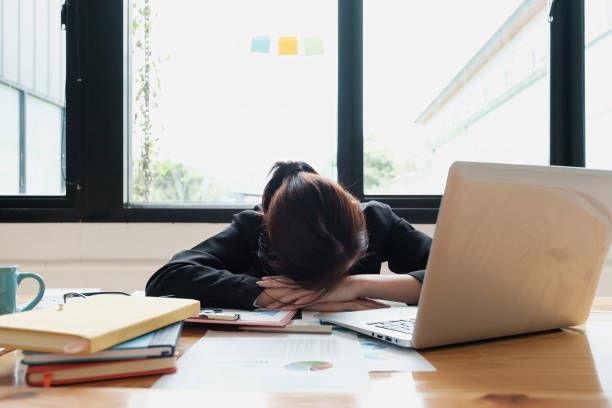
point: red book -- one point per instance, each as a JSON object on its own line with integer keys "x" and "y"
{"x": 47, "y": 375}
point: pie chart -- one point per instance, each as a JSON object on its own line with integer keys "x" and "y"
{"x": 308, "y": 366}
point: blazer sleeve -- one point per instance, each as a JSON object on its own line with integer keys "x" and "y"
{"x": 405, "y": 249}
{"x": 213, "y": 272}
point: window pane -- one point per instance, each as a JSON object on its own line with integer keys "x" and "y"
{"x": 43, "y": 148}
{"x": 32, "y": 74}
{"x": 598, "y": 83}
{"x": 26, "y": 43}
{"x": 9, "y": 28}
{"x": 229, "y": 88}
{"x": 9, "y": 141}
{"x": 57, "y": 53}
{"x": 450, "y": 80}
{"x": 41, "y": 51}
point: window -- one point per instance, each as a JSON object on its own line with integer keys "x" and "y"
{"x": 221, "y": 89}
{"x": 9, "y": 141}
{"x": 446, "y": 81}
{"x": 32, "y": 70}
{"x": 182, "y": 124}
{"x": 43, "y": 150}
{"x": 598, "y": 83}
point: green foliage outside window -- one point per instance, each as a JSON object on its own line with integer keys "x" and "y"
{"x": 179, "y": 183}
{"x": 378, "y": 166}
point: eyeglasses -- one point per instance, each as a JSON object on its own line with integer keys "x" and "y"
{"x": 68, "y": 297}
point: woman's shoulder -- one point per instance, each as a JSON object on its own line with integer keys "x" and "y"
{"x": 376, "y": 209}
{"x": 247, "y": 220}
{"x": 379, "y": 217}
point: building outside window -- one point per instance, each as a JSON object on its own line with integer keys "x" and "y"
{"x": 32, "y": 78}
{"x": 447, "y": 81}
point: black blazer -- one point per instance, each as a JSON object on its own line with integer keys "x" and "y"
{"x": 222, "y": 271}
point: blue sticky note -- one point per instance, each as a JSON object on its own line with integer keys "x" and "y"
{"x": 260, "y": 44}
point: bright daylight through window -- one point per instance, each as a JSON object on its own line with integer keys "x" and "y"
{"x": 450, "y": 80}
{"x": 221, "y": 89}
{"x": 598, "y": 83}
{"x": 32, "y": 78}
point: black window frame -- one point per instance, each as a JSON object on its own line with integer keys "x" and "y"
{"x": 95, "y": 120}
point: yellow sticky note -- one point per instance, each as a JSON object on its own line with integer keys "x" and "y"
{"x": 287, "y": 46}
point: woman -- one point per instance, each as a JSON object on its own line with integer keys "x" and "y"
{"x": 312, "y": 246}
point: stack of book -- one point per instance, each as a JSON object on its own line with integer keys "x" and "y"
{"x": 101, "y": 337}
{"x": 152, "y": 353}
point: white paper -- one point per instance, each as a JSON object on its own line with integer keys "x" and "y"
{"x": 54, "y": 296}
{"x": 271, "y": 362}
{"x": 381, "y": 356}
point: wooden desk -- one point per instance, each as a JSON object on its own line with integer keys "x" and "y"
{"x": 562, "y": 368}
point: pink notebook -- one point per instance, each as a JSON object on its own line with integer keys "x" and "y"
{"x": 260, "y": 317}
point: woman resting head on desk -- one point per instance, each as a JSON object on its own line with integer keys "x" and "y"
{"x": 312, "y": 246}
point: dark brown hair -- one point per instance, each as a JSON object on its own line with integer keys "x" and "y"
{"x": 315, "y": 228}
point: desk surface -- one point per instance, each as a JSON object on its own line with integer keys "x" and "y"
{"x": 569, "y": 367}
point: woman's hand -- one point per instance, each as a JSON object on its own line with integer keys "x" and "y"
{"x": 357, "y": 304}
{"x": 290, "y": 296}
{"x": 277, "y": 298}
{"x": 296, "y": 297}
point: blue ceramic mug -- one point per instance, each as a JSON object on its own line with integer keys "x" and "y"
{"x": 9, "y": 281}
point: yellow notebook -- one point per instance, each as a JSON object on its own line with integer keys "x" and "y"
{"x": 92, "y": 324}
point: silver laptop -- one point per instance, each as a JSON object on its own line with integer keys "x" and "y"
{"x": 517, "y": 249}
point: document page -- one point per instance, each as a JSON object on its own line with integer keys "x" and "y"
{"x": 271, "y": 362}
{"x": 382, "y": 356}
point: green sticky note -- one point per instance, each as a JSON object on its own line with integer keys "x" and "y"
{"x": 313, "y": 45}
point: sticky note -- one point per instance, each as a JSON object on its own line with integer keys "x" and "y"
{"x": 260, "y": 44}
{"x": 287, "y": 46}
{"x": 313, "y": 45}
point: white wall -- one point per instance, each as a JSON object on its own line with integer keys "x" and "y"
{"x": 117, "y": 256}
{"x": 105, "y": 255}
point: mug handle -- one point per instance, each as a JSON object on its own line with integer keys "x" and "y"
{"x": 41, "y": 288}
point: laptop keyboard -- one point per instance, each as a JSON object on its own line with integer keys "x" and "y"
{"x": 402, "y": 326}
